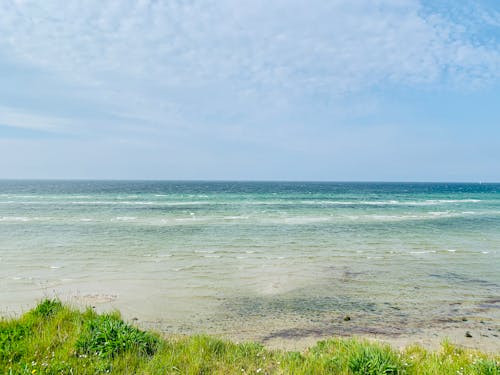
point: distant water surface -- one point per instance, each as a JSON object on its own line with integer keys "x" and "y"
{"x": 260, "y": 258}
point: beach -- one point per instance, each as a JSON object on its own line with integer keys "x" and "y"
{"x": 284, "y": 264}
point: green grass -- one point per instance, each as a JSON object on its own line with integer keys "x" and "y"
{"x": 55, "y": 339}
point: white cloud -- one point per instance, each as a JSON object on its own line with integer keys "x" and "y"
{"x": 281, "y": 45}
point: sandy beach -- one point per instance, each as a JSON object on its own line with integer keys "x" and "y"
{"x": 291, "y": 332}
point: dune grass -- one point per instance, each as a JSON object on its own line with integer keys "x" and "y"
{"x": 55, "y": 339}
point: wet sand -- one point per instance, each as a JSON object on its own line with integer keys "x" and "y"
{"x": 284, "y": 324}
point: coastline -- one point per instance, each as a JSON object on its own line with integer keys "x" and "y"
{"x": 292, "y": 335}
{"x": 54, "y": 338}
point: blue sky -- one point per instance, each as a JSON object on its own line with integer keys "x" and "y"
{"x": 400, "y": 90}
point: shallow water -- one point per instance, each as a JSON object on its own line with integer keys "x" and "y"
{"x": 261, "y": 259}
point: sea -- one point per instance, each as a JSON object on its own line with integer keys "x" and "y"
{"x": 258, "y": 260}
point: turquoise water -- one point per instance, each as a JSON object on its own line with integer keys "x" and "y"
{"x": 261, "y": 258}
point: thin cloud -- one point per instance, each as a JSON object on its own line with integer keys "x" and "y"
{"x": 18, "y": 118}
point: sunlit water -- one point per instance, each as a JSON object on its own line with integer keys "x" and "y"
{"x": 260, "y": 259}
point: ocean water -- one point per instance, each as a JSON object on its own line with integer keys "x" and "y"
{"x": 262, "y": 259}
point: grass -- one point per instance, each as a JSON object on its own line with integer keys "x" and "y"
{"x": 55, "y": 339}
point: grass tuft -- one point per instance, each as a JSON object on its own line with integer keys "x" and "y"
{"x": 107, "y": 336}
{"x": 46, "y": 309}
{"x": 374, "y": 360}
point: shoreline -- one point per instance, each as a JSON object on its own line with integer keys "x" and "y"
{"x": 281, "y": 334}
{"x": 55, "y": 338}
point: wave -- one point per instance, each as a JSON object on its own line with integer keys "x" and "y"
{"x": 306, "y": 220}
{"x": 24, "y": 218}
{"x": 15, "y": 218}
{"x": 428, "y": 216}
{"x": 258, "y": 219}
{"x": 433, "y": 215}
{"x": 429, "y": 202}
{"x": 284, "y": 202}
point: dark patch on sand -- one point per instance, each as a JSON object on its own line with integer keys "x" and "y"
{"x": 460, "y": 278}
{"x": 258, "y": 306}
{"x": 329, "y": 331}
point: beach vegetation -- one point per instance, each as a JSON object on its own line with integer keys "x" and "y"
{"x": 54, "y": 338}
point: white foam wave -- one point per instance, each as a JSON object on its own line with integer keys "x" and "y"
{"x": 458, "y": 200}
{"x": 15, "y": 218}
{"x": 429, "y": 202}
{"x": 235, "y": 217}
{"x": 439, "y": 213}
{"x": 305, "y": 220}
{"x": 67, "y": 203}
{"x": 109, "y": 202}
{"x": 124, "y": 218}
{"x": 392, "y": 202}
{"x": 184, "y": 219}
{"x": 428, "y": 216}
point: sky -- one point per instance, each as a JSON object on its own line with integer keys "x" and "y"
{"x": 339, "y": 90}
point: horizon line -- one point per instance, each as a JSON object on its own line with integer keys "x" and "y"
{"x": 247, "y": 180}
